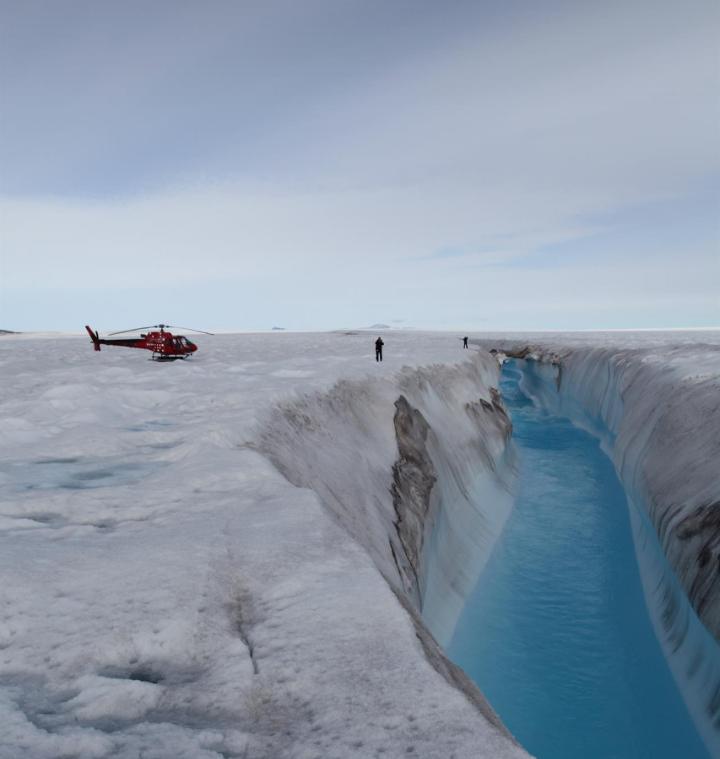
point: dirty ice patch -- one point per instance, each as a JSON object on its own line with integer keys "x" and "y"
{"x": 72, "y": 473}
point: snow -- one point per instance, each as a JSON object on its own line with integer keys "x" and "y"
{"x": 201, "y": 559}
{"x": 168, "y": 592}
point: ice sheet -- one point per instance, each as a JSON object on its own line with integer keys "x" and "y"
{"x": 167, "y": 592}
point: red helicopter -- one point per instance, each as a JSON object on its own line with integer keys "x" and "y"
{"x": 164, "y": 345}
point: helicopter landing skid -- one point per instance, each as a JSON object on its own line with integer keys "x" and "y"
{"x": 163, "y": 357}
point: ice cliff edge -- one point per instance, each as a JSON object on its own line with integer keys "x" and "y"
{"x": 417, "y": 468}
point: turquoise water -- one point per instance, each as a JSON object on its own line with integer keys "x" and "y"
{"x": 556, "y": 633}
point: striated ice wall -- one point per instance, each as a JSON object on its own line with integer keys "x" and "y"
{"x": 417, "y": 467}
{"x": 658, "y": 417}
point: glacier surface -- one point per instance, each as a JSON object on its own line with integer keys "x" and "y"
{"x": 214, "y": 558}
{"x": 256, "y": 552}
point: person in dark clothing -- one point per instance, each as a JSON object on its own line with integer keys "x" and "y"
{"x": 465, "y": 344}
{"x": 378, "y": 349}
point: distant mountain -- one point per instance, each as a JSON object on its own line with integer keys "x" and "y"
{"x": 379, "y": 326}
{"x": 278, "y": 329}
{"x": 7, "y": 332}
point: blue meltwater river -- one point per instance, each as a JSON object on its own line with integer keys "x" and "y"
{"x": 556, "y": 633}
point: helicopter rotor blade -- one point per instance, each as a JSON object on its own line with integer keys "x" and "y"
{"x": 161, "y": 326}
{"x": 189, "y": 329}
{"x": 136, "y": 329}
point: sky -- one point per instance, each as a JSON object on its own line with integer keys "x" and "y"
{"x": 321, "y": 164}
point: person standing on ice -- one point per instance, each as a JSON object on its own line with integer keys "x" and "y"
{"x": 378, "y": 349}
{"x": 465, "y": 345}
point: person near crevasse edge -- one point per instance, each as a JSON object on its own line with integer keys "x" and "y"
{"x": 465, "y": 342}
{"x": 378, "y": 349}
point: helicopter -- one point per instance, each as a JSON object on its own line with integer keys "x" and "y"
{"x": 164, "y": 345}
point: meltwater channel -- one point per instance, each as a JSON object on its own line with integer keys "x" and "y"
{"x": 556, "y": 633}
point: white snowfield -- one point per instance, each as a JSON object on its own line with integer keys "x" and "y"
{"x": 167, "y": 591}
{"x": 228, "y": 557}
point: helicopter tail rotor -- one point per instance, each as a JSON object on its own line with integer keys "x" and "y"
{"x": 94, "y": 337}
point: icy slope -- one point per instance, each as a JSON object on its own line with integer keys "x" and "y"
{"x": 429, "y": 439}
{"x": 167, "y": 592}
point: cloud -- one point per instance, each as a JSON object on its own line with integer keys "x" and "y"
{"x": 238, "y": 259}
{"x": 340, "y": 161}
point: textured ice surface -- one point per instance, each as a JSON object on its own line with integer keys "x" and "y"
{"x": 166, "y": 592}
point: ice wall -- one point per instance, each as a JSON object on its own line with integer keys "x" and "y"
{"x": 416, "y": 467}
{"x": 658, "y": 417}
